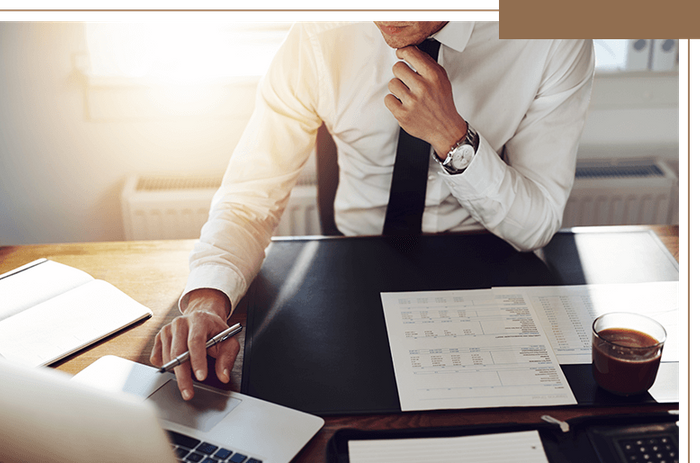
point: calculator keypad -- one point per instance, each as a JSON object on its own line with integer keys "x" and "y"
{"x": 649, "y": 449}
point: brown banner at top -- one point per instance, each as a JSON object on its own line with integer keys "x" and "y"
{"x": 599, "y": 19}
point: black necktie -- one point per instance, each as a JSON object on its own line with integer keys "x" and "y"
{"x": 404, "y": 212}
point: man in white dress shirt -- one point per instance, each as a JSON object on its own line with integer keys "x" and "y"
{"x": 515, "y": 107}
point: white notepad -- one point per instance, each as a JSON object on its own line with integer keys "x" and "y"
{"x": 51, "y": 310}
{"x": 523, "y": 447}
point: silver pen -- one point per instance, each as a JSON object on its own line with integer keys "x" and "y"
{"x": 185, "y": 356}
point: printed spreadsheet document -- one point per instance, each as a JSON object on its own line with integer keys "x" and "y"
{"x": 471, "y": 349}
{"x": 503, "y": 346}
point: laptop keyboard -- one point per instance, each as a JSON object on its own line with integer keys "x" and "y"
{"x": 188, "y": 449}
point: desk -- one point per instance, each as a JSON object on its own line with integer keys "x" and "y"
{"x": 154, "y": 273}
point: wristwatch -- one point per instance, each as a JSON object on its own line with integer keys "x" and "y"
{"x": 461, "y": 154}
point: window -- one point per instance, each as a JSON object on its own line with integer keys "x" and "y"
{"x": 211, "y": 69}
{"x": 636, "y": 55}
{"x": 176, "y": 69}
{"x": 199, "y": 52}
{"x": 181, "y": 52}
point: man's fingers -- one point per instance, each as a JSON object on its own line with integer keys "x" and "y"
{"x": 418, "y": 60}
{"x": 393, "y": 104}
{"x": 180, "y": 330}
{"x": 156, "y": 352}
{"x": 409, "y": 86}
{"x": 189, "y": 333}
{"x": 184, "y": 380}
{"x": 196, "y": 342}
{"x": 161, "y": 346}
{"x": 182, "y": 372}
{"x": 398, "y": 89}
{"x": 226, "y": 355}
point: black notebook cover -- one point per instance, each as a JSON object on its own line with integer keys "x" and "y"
{"x": 316, "y": 338}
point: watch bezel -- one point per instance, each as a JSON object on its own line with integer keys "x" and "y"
{"x": 469, "y": 142}
{"x": 460, "y": 156}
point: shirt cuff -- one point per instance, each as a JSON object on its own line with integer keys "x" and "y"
{"x": 484, "y": 173}
{"x": 218, "y": 277}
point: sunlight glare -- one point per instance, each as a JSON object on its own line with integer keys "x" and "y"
{"x": 182, "y": 53}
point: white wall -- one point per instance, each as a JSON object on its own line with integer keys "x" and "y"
{"x": 62, "y": 168}
{"x": 633, "y": 115}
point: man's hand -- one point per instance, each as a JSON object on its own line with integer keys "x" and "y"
{"x": 204, "y": 317}
{"x": 422, "y": 101}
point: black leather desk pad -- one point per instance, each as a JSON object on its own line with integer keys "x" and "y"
{"x": 316, "y": 338}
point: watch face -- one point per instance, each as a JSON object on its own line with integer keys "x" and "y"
{"x": 462, "y": 156}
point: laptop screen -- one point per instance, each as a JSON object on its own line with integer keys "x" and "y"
{"x": 46, "y": 417}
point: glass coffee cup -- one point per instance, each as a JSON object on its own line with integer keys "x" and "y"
{"x": 626, "y": 352}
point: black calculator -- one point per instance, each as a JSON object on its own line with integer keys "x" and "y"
{"x": 646, "y": 443}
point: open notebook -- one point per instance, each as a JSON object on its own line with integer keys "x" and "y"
{"x": 51, "y": 310}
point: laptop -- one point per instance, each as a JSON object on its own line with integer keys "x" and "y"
{"x": 116, "y": 410}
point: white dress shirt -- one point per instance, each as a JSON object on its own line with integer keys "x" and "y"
{"x": 527, "y": 99}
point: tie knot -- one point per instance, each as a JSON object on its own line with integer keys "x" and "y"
{"x": 431, "y": 47}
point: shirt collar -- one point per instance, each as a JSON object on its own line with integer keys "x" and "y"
{"x": 455, "y": 35}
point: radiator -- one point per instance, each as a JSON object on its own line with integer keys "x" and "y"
{"x": 606, "y": 192}
{"x": 622, "y": 192}
{"x": 176, "y": 207}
